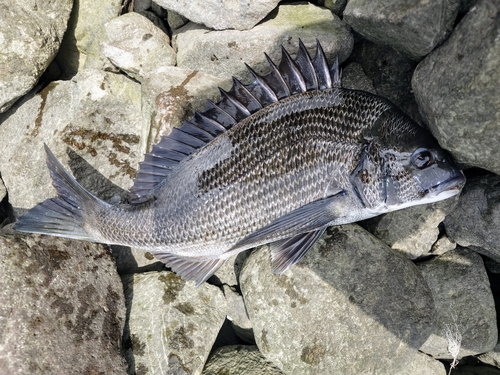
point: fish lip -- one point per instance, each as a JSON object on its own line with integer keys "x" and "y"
{"x": 453, "y": 183}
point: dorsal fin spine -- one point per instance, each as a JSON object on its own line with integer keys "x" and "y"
{"x": 291, "y": 77}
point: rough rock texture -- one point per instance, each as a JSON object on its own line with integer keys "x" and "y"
{"x": 491, "y": 358}
{"x": 412, "y": 231}
{"x": 352, "y": 306}
{"x": 172, "y": 324}
{"x": 475, "y": 221}
{"x": 223, "y": 53}
{"x": 464, "y": 302}
{"x": 237, "y": 314}
{"x": 423, "y": 364}
{"x": 92, "y": 123}
{"x": 457, "y": 88}
{"x": 136, "y": 46}
{"x": 30, "y": 36}
{"x": 85, "y": 32}
{"x": 220, "y": 15}
{"x": 171, "y": 95}
{"x": 239, "y": 360}
{"x": 413, "y": 27}
{"x": 62, "y": 309}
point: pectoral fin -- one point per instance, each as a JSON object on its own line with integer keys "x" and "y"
{"x": 195, "y": 269}
{"x": 308, "y": 218}
{"x": 287, "y": 252}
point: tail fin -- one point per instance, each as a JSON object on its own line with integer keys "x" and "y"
{"x": 62, "y": 216}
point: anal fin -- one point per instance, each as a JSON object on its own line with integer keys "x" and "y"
{"x": 287, "y": 252}
{"x": 198, "y": 270}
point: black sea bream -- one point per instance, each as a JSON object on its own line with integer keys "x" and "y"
{"x": 275, "y": 161}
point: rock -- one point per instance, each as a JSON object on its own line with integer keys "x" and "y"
{"x": 141, "y": 5}
{"x": 351, "y": 306}
{"x": 423, "y": 364}
{"x": 336, "y": 6}
{"x": 464, "y": 303}
{"x": 414, "y": 28}
{"x": 443, "y": 245}
{"x": 223, "y": 53}
{"x": 85, "y": 32}
{"x": 474, "y": 221}
{"x": 175, "y": 20}
{"x": 136, "y": 46}
{"x": 237, "y": 314}
{"x": 91, "y": 123}
{"x": 239, "y": 360}
{"x": 492, "y": 357}
{"x": 414, "y": 230}
{"x": 59, "y": 298}
{"x": 354, "y": 78}
{"x": 457, "y": 89}
{"x": 30, "y": 37}
{"x": 390, "y": 72}
{"x": 3, "y": 190}
{"x": 218, "y": 15}
{"x": 171, "y": 95}
{"x": 172, "y": 324}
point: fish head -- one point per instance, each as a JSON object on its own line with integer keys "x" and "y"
{"x": 417, "y": 170}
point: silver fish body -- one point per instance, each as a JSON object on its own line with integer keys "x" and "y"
{"x": 320, "y": 155}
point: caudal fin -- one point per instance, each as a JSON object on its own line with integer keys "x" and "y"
{"x": 62, "y": 216}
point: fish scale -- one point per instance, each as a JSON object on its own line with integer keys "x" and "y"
{"x": 274, "y": 161}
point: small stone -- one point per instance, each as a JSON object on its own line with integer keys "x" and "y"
{"x": 239, "y": 360}
{"x": 443, "y": 245}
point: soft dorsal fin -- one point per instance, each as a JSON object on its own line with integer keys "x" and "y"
{"x": 290, "y": 77}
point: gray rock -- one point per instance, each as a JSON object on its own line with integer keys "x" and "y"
{"x": 354, "y": 78}
{"x": 443, "y": 245}
{"x": 136, "y": 46}
{"x": 223, "y": 53}
{"x": 171, "y": 95}
{"x": 220, "y": 15}
{"x": 62, "y": 309}
{"x": 474, "y": 222}
{"x": 237, "y": 314}
{"x": 92, "y": 123}
{"x": 175, "y": 20}
{"x": 3, "y": 190}
{"x": 414, "y": 28}
{"x": 492, "y": 357}
{"x": 336, "y": 6}
{"x": 85, "y": 32}
{"x": 412, "y": 231}
{"x": 351, "y": 306}
{"x": 30, "y": 37}
{"x": 457, "y": 89}
{"x": 390, "y": 72}
{"x": 423, "y": 364}
{"x": 141, "y": 5}
{"x": 464, "y": 303}
{"x": 172, "y": 324}
{"x": 239, "y": 360}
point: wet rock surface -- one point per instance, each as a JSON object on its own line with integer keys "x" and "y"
{"x": 120, "y": 80}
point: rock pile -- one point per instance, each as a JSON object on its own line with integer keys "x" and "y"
{"x": 99, "y": 82}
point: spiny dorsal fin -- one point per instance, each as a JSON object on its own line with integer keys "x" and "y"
{"x": 290, "y": 77}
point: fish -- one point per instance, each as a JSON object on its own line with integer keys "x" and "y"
{"x": 275, "y": 161}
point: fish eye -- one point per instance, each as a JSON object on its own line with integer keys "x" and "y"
{"x": 422, "y": 158}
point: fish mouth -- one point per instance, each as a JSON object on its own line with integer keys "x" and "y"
{"x": 451, "y": 185}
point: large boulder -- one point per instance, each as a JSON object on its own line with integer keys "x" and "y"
{"x": 172, "y": 324}
{"x": 220, "y": 15}
{"x": 30, "y": 36}
{"x": 457, "y": 89}
{"x": 92, "y": 123}
{"x": 223, "y": 53}
{"x": 351, "y": 306}
{"x": 62, "y": 309}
